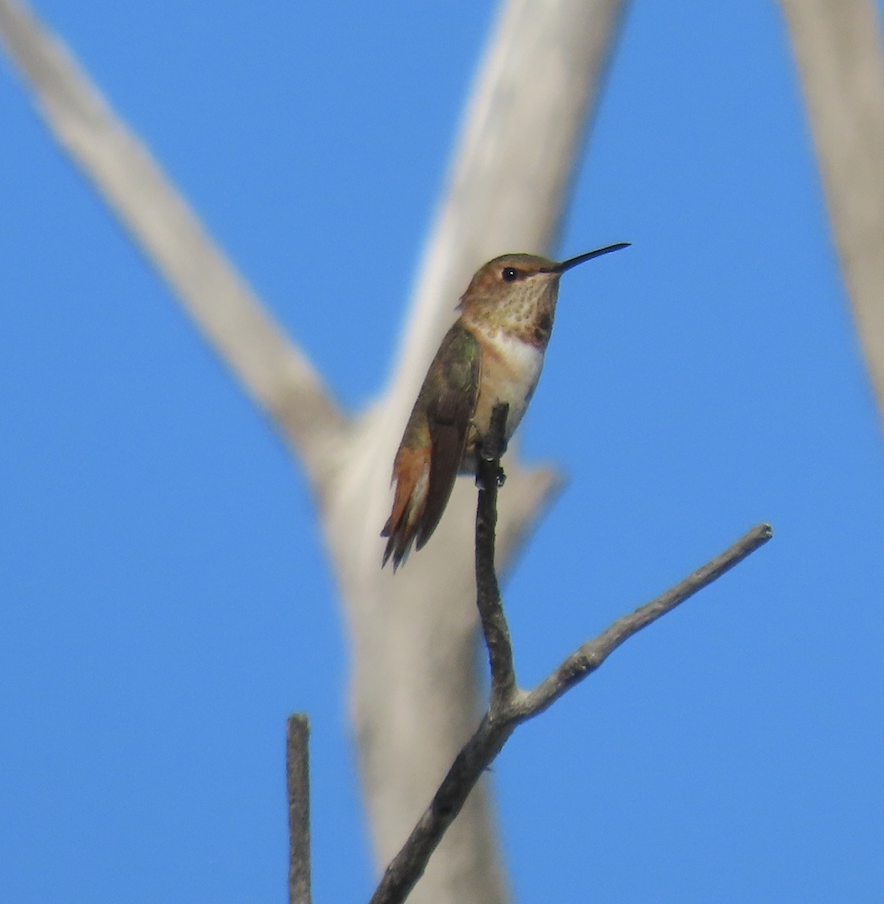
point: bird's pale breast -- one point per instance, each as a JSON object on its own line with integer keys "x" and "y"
{"x": 510, "y": 369}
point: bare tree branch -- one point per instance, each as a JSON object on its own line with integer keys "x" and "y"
{"x": 504, "y": 716}
{"x": 274, "y": 372}
{"x": 837, "y": 44}
{"x": 489, "y": 477}
{"x": 297, "y": 763}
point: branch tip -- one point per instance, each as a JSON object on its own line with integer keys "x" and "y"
{"x": 298, "y": 785}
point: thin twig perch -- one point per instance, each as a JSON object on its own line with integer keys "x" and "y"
{"x": 297, "y": 762}
{"x": 509, "y": 705}
{"x": 489, "y": 477}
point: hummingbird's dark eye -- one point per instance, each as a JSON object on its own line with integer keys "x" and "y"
{"x": 510, "y": 274}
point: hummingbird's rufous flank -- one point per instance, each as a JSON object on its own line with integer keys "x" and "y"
{"x": 493, "y": 353}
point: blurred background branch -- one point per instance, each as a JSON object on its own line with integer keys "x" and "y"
{"x": 837, "y": 46}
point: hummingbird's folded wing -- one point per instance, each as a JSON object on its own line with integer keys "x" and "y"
{"x": 432, "y": 447}
{"x": 455, "y": 374}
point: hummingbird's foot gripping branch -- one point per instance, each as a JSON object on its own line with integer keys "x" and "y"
{"x": 491, "y": 448}
{"x": 489, "y": 477}
{"x": 509, "y": 706}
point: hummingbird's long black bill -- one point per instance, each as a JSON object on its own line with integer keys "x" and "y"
{"x": 574, "y": 261}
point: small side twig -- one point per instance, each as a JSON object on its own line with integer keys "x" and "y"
{"x": 298, "y": 783}
{"x": 593, "y": 653}
{"x": 509, "y": 706}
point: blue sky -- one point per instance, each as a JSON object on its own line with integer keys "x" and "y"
{"x": 164, "y": 598}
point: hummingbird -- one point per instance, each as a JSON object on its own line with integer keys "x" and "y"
{"x": 493, "y": 353}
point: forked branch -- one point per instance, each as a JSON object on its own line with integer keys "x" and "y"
{"x": 509, "y": 705}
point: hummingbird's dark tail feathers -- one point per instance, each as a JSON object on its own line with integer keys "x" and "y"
{"x": 399, "y": 543}
{"x": 397, "y": 546}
